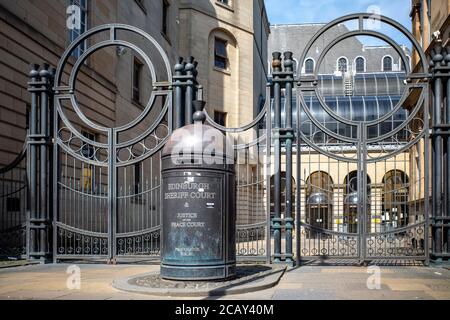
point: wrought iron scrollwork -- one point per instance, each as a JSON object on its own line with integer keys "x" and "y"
{"x": 147, "y": 244}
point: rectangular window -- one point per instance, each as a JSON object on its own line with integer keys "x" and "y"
{"x": 77, "y": 15}
{"x": 220, "y": 54}
{"x": 220, "y": 118}
{"x": 226, "y": 2}
{"x": 137, "y": 70}
{"x": 165, "y": 16}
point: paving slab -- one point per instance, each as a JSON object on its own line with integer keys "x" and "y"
{"x": 305, "y": 294}
{"x": 307, "y": 282}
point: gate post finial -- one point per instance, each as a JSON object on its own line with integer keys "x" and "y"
{"x": 34, "y": 73}
{"x": 288, "y": 62}
{"x": 45, "y": 74}
{"x": 276, "y": 61}
{"x": 179, "y": 67}
{"x": 189, "y": 67}
{"x": 436, "y": 53}
{"x": 199, "y": 114}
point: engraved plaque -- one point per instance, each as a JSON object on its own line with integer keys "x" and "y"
{"x": 192, "y": 220}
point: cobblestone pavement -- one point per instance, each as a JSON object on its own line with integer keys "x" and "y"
{"x": 307, "y": 282}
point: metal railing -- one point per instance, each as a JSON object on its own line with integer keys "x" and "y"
{"x": 13, "y": 207}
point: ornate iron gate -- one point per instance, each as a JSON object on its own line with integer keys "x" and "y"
{"x": 342, "y": 182}
{"x": 357, "y": 188}
{"x": 107, "y": 201}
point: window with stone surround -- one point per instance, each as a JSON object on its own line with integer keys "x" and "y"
{"x": 342, "y": 64}
{"x": 309, "y": 66}
{"x": 360, "y": 64}
{"x": 224, "y": 2}
{"x": 387, "y": 63}
{"x": 220, "y": 54}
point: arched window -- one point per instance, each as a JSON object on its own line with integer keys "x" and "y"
{"x": 387, "y": 63}
{"x": 351, "y": 203}
{"x": 360, "y": 65}
{"x": 319, "y": 201}
{"x": 342, "y": 64}
{"x": 223, "y": 50}
{"x": 395, "y": 200}
{"x": 309, "y": 65}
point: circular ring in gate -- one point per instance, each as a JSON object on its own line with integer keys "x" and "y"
{"x": 362, "y": 126}
{"x": 67, "y": 92}
{"x": 363, "y": 32}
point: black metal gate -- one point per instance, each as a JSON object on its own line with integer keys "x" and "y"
{"x": 13, "y": 207}
{"x": 107, "y": 199}
{"x": 107, "y": 189}
{"x": 358, "y": 157}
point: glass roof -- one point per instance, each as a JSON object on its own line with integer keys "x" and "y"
{"x": 374, "y": 95}
{"x": 364, "y": 84}
{"x": 352, "y": 108}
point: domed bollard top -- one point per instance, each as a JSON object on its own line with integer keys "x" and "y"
{"x": 199, "y": 203}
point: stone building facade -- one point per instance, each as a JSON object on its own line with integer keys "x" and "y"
{"x": 427, "y": 20}
{"x": 239, "y": 85}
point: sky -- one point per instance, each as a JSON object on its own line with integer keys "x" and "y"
{"x": 309, "y": 11}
